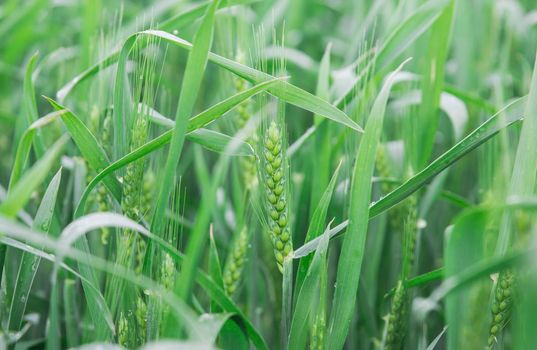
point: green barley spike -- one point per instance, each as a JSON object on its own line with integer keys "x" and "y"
{"x": 102, "y": 192}
{"x": 148, "y": 191}
{"x": 133, "y": 180}
{"x": 141, "y": 246}
{"x": 397, "y": 319}
{"x": 235, "y": 261}
{"x": 384, "y": 170}
{"x": 275, "y": 182}
{"x": 409, "y": 236}
{"x": 141, "y": 318}
{"x": 167, "y": 272}
{"x": 123, "y": 331}
{"x": 501, "y": 305}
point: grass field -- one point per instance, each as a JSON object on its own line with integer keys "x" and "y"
{"x": 268, "y": 174}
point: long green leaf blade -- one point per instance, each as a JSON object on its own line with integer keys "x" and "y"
{"x": 30, "y": 263}
{"x": 352, "y": 252}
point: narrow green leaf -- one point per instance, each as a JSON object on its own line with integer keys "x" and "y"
{"x": 408, "y": 32}
{"x": 30, "y": 263}
{"x": 195, "y": 68}
{"x": 25, "y": 144}
{"x": 352, "y": 252}
{"x": 525, "y": 167}
{"x": 29, "y": 105}
{"x": 425, "y": 278}
{"x": 233, "y": 337}
{"x": 198, "y": 121}
{"x": 70, "y": 312}
{"x": 321, "y": 163}
{"x": 435, "y": 341}
{"x": 479, "y": 270}
{"x": 283, "y": 90}
{"x": 465, "y": 247}
{"x": 215, "y": 268}
{"x": 22, "y": 191}
{"x": 287, "y": 299}
{"x": 88, "y": 146}
{"x": 316, "y": 226}
{"x": 217, "y": 142}
{"x": 432, "y": 84}
{"x": 509, "y": 115}
{"x": 209, "y": 139}
{"x": 308, "y": 297}
{"x": 98, "y": 220}
{"x": 486, "y": 267}
{"x": 179, "y": 21}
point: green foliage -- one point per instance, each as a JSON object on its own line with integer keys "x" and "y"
{"x": 291, "y": 226}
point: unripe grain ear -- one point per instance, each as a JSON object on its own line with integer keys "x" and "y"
{"x": 274, "y": 174}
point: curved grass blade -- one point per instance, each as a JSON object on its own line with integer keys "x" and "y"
{"x": 29, "y": 263}
{"x": 308, "y": 296}
{"x": 425, "y": 278}
{"x": 183, "y": 19}
{"x": 523, "y": 176}
{"x": 70, "y": 313}
{"x": 509, "y": 115}
{"x": 217, "y": 142}
{"x": 215, "y": 292}
{"x": 193, "y": 74}
{"x": 96, "y": 157}
{"x": 352, "y": 252}
{"x": 317, "y": 224}
{"x": 25, "y": 144}
{"x": 22, "y": 215}
{"x": 198, "y": 235}
{"x": 29, "y": 105}
{"x": 465, "y": 247}
{"x": 177, "y": 22}
{"x": 494, "y": 264}
{"x": 287, "y": 298}
{"x": 399, "y": 40}
{"x": 481, "y": 269}
{"x": 41, "y": 254}
{"x": 209, "y": 139}
{"x": 283, "y": 90}
{"x": 322, "y": 137}
{"x": 21, "y": 192}
{"x": 88, "y": 146}
{"x": 214, "y": 266}
{"x": 88, "y": 73}
{"x": 435, "y": 341}
{"x": 98, "y": 220}
{"x": 213, "y": 324}
{"x": 14, "y": 230}
{"x": 420, "y": 280}
{"x": 196, "y": 122}
{"x": 408, "y": 32}
{"x": 431, "y": 88}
